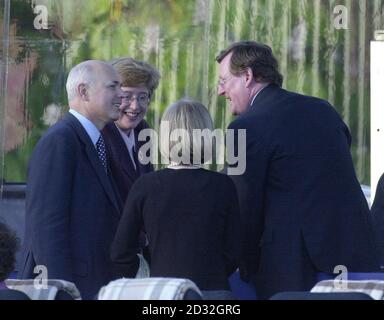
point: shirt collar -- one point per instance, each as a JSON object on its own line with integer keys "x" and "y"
{"x": 88, "y": 126}
{"x": 257, "y": 93}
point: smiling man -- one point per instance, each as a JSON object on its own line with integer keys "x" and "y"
{"x": 302, "y": 207}
{"x": 139, "y": 80}
{"x": 72, "y": 205}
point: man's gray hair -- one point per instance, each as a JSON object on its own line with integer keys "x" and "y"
{"x": 84, "y": 72}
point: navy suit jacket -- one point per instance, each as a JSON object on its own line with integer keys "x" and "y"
{"x": 303, "y": 210}
{"x": 72, "y": 210}
{"x": 122, "y": 169}
{"x": 377, "y": 211}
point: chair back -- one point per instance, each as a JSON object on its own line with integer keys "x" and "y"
{"x": 373, "y": 288}
{"x": 9, "y": 294}
{"x": 299, "y": 295}
{"x": 150, "y": 289}
{"x": 55, "y": 289}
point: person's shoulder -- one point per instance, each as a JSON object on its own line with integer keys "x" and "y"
{"x": 148, "y": 178}
{"x": 147, "y": 183}
{"x": 61, "y": 134}
{"x": 295, "y": 98}
{"x": 223, "y": 186}
{"x": 220, "y": 178}
{"x": 240, "y": 122}
{"x": 312, "y": 107}
{"x": 214, "y": 174}
{"x": 380, "y": 183}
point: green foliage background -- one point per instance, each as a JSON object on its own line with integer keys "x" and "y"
{"x": 181, "y": 38}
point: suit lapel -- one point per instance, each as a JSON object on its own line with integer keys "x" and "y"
{"x": 94, "y": 160}
{"x": 120, "y": 149}
{"x": 92, "y": 155}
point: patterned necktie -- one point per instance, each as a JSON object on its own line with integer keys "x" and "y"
{"x": 101, "y": 152}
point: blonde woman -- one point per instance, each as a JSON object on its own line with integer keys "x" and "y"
{"x": 190, "y": 214}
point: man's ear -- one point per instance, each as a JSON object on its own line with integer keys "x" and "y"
{"x": 249, "y": 78}
{"x": 82, "y": 90}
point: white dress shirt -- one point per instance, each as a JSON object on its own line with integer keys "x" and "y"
{"x": 88, "y": 126}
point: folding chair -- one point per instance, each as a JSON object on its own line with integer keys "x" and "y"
{"x": 305, "y": 295}
{"x": 55, "y": 290}
{"x": 150, "y": 289}
{"x": 373, "y": 288}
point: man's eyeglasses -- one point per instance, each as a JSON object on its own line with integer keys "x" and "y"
{"x": 142, "y": 99}
{"x": 223, "y": 81}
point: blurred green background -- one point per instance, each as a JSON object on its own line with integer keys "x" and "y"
{"x": 181, "y": 38}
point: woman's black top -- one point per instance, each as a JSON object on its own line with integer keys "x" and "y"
{"x": 191, "y": 218}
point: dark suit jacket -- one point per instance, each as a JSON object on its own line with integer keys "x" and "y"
{"x": 122, "y": 170}
{"x": 302, "y": 206}
{"x": 377, "y": 211}
{"x": 72, "y": 210}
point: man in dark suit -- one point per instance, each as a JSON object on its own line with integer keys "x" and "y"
{"x": 72, "y": 205}
{"x": 302, "y": 207}
{"x": 377, "y": 211}
{"x": 139, "y": 81}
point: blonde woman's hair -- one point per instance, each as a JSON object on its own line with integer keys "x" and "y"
{"x": 180, "y": 129}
